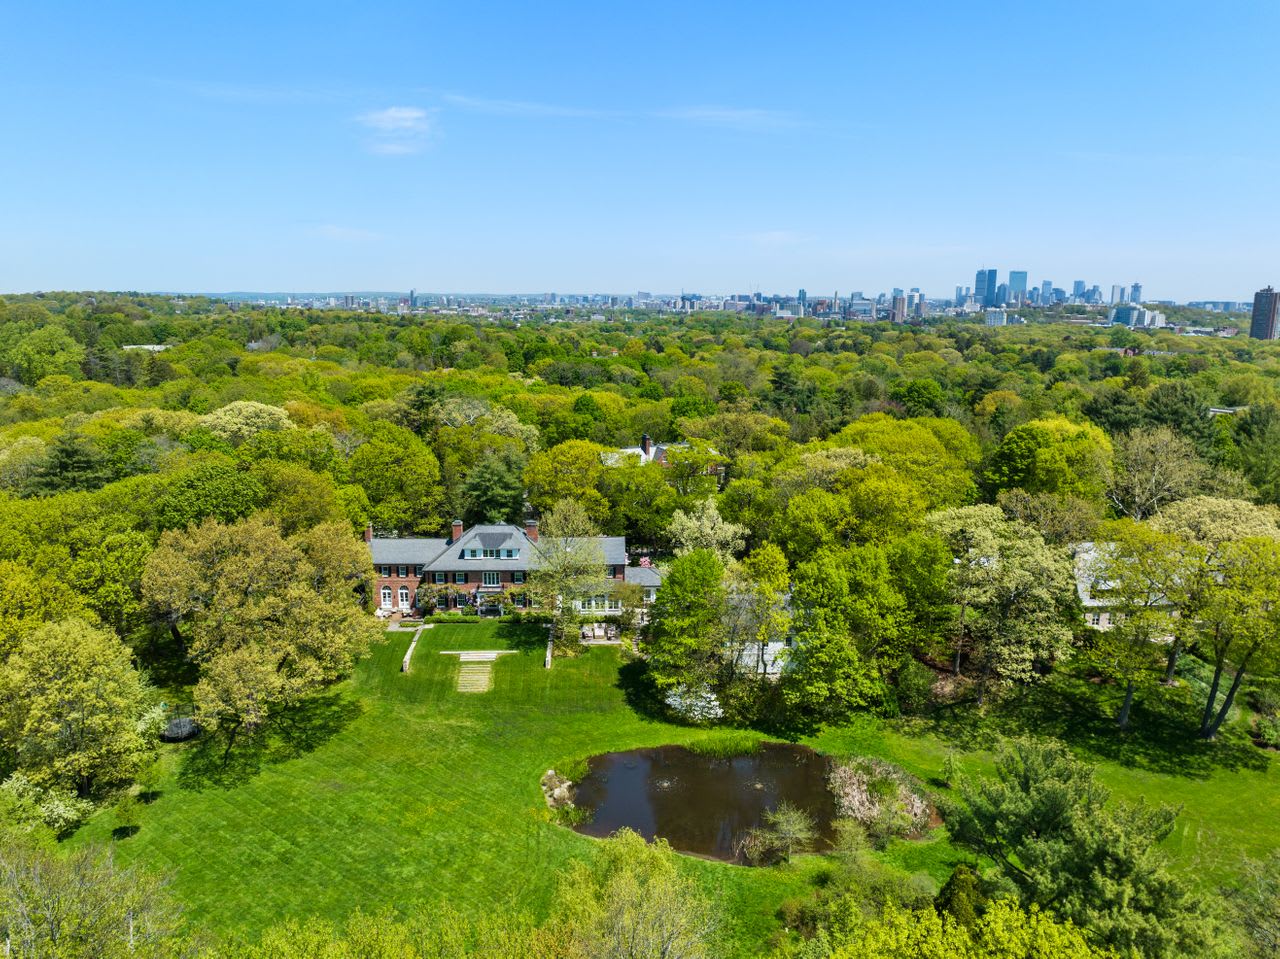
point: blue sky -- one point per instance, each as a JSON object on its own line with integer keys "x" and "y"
{"x": 622, "y": 147}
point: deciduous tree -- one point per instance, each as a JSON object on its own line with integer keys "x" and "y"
{"x": 71, "y": 702}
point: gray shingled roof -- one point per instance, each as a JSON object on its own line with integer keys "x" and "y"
{"x": 442, "y": 555}
{"x": 614, "y": 549}
{"x": 643, "y": 576}
{"x": 406, "y": 551}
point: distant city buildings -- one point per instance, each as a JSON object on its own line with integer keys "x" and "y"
{"x": 899, "y": 310}
{"x": 984, "y": 287}
{"x": 1117, "y": 294}
{"x": 1263, "y": 326}
{"x": 996, "y": 318}
{"x": 1134, "y": 315}
{"x": 1018, "y": 286}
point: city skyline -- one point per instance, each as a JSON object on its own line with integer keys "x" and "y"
{"x": 712, "y": 147}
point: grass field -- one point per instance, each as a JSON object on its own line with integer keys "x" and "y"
{"x": 396, "y": 790}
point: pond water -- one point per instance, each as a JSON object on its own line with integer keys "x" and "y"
{"x": 703, "y": 804}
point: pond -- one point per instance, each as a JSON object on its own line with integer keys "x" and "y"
{"x": 702, "y": 804}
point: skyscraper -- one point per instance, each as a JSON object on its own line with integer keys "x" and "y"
{"x": 1077, "y": 290}
{"x": 1046, "y": 293}
{"x": 1263, "y": 326}
{"x": 984, "y": 287}
{"x": 1017, "y": 286}
{"x": 899, "y": 309}
{"x": 1135, "y": 293}
{"x": 1117, "y": 294}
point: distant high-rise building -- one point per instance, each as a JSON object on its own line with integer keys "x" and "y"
{"x": 1017, "y": 286}
{"x": 996, "y": 317}
{"x": 1117, "y": 294}
{"x": 803, "y": 298}
{"x": 984, "y": 287}
{"x": 413, "y": 299}
{"x": 959, "y": 296}
{"x": 1046, "y": 292}
{"x": 1003, "y": 294}
{"x": 1077, "y": 290}
{"x": 1263, "y": 326}
{"x": 899, "y": 309}
{"x": 1135, "y": 293}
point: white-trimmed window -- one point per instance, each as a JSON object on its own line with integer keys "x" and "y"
{"x": 490, "y": 553}
{"x": 492, "y": 579}
{"x": 510, "y": 553}
{"x": 386, "y": 597}
{"x": 517, "y": 576}
{"x": 440, "y": 578}
{"x": 402, "y": 571}
{"x": 404, "y": 597}
{"x": 460, "y": 578}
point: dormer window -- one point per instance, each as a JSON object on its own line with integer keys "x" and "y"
{"x": 491, "y": 554}
{"x": 473, "y": 553}
{"x": 510, "y": 553}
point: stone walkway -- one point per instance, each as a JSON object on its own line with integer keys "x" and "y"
{"x": 476, "y": 672}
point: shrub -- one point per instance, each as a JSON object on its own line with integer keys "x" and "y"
{"x": 698, "y": 706}
{"x": 788, "y": 829}
{"x": 1269, "y": 730}
{"x": 914, "y": 688}
{"x": 961, "y": 896}
{"x": 126, "y": 813}
{"x": 61, "y": 811}
{"x": 879, "y": 796}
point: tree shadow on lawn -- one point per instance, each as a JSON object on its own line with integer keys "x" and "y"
{"x": 522, "y": 636}
{"x": 639, "y": 691}
{"x": 1162, "y": 737}
{"x": 213, "y": 761}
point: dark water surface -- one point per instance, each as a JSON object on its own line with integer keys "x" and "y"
{"x": 702, "y": 804}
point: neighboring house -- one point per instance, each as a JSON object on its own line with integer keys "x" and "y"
{"x": 1096, "y": 592}
{"x": 485, "y": 567}
{"x": 1091, "y": 587}
{"x": 650, "y": 452}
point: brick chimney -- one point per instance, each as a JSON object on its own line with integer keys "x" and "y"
{"x": 368, "y": 533}
{"x": 531, "y": 530}
{"x": 457, "y": 530}
{"x": 646, "y": 444}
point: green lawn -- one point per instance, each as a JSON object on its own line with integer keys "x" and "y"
{"x": 1226, "y": 790}
{"x": 396, "y": 790}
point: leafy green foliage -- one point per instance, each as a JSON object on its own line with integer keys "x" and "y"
{"x": 1049, "y": 825}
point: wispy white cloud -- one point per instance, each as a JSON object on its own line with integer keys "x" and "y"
{"x": 725, "y": 117}
{"x": 345, "y": 234}
{"x": 397, "y": 131}
{"x": 737, "y": 118}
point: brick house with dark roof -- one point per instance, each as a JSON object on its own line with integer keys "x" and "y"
{"x": 485, "y": 567}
